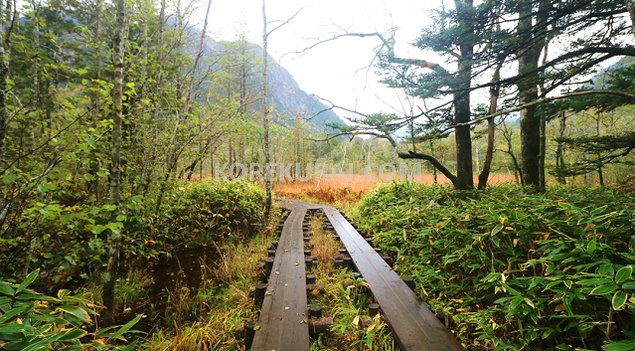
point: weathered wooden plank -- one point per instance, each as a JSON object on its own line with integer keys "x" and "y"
{"x": 413, "y": 324}
{"x": 283, "y": 321}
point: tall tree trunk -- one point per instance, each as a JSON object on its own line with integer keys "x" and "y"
{"x": 149, "y": 171}
{"x": 114, "y": 236}
{"x": 461, "y": 99}
{"x": 265, "y": 114}
{"x": 92, "y": 184}
{"x": 542, "y": 180}
{"x": 528, "y": 57}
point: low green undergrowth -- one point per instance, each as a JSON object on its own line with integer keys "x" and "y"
{"x": 68, "y": 241}
{"x": 68, "y": 244}
{"x": 515, "y": 271}
{"x": 216, "y": 210}
{"x": 30, "y": 320}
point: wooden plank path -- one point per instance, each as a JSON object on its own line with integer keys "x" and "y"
{"x": 413, "y": 324}
{"x": 283, "y": 320}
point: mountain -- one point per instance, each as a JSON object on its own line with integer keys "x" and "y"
{"x": 285, "y": 95}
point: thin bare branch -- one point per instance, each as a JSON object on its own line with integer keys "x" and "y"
{"x": 283, "y": 23}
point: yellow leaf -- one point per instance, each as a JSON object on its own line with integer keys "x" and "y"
{"x": 356, "y": 320}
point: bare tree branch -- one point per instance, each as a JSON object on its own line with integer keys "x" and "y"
{"x": 283, "y": 23}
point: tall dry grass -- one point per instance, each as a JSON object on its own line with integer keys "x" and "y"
{"x": 348, "y": 188}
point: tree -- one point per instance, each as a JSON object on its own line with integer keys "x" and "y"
{"x": 266, "y": 113}
{"x": 114, "y": 237}
{"x": 526, "y": 28}
{"x": 460, "y": 45}
{"x": 8, "y": 15}
{"x": 597, "y": 135}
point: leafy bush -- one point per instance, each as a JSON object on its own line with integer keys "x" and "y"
{"x": 516, "y": 271}
{"x": 212, "y": 210}
{"x": 68, "y": 241}
{"x": 33, "y": 321}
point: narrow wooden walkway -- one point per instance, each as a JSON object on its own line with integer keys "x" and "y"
{"x": 413, "y": 324}
{"x": 283, "y": 321}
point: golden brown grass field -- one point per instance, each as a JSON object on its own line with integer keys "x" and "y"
{"x": 351, "y": 187}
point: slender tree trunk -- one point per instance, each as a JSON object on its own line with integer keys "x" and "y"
{"x": 518, "y": 172}
{"x": 197, "y": 59}
{"x": 7, "y": 21}
{"x": 265, "y": 114}
{"x": 93, "y": 164}
{"x": 560, "y": 149}
{"x": 494, "y": 93}
{"x": 152, "y": 161}
{"x": 597, "y": 155}
{"x": 114, "y": 236}
{"x": 542, "y": 154}
{"x": 211, "y": 164}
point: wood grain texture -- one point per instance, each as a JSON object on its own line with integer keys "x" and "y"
{"x": 283, "y": 321}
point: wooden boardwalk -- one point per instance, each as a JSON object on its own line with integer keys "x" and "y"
{"x": 283, "y": 320}
{"x": 413, "y": 324}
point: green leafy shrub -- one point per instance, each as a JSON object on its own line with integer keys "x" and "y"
{"x": 212, "y": 210}
{"x": 69, "y": 241}
{"x": 32, "y": 321}
{"x": 516, "y": 271}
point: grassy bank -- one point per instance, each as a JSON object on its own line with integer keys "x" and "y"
{"x": 515, "y": 271}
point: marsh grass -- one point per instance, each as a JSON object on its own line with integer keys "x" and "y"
{"x": 345, "y": 299}
{"x": 206, "y": 318}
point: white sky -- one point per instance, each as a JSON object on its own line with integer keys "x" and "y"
{"x": 336, "y": 70}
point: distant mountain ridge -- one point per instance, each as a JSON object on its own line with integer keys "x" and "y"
{"x": 285, "y": 94}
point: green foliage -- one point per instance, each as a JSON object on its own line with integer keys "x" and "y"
{"x": 212, "y": 210}
{"x": 515, "y": 271}
{"x": 33, "y": 321}
{"x": 70, "y": 240}
{"x": 352, "y": 326}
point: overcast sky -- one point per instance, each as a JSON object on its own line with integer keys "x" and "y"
{"x": 337, "y": 70}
